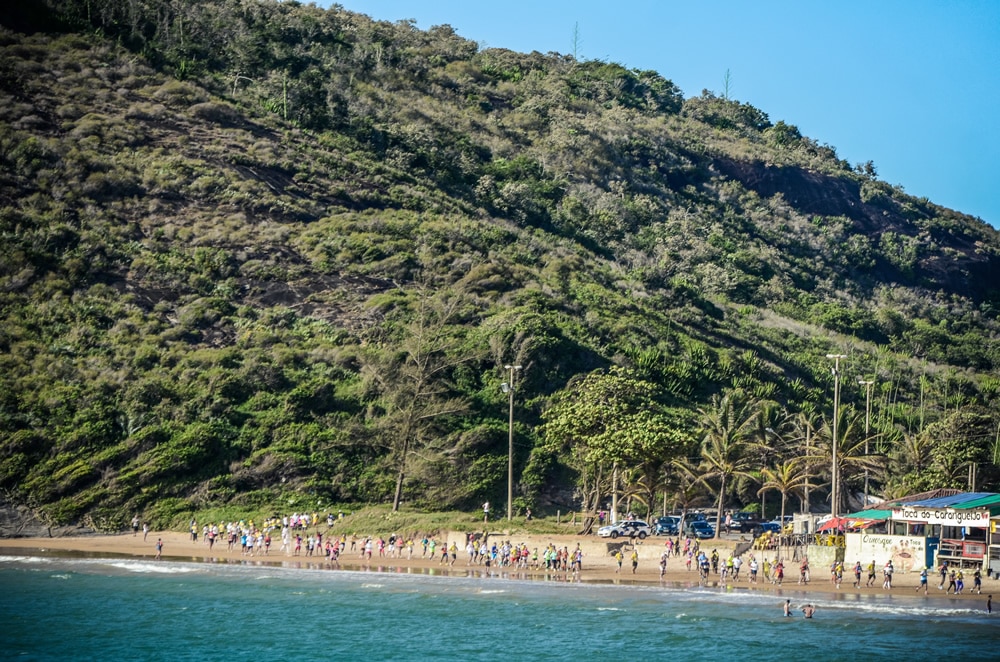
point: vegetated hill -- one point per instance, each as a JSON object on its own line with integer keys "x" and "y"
{"x": 261, "y": 251}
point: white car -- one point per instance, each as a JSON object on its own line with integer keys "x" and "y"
{"x": 628, "y": 529}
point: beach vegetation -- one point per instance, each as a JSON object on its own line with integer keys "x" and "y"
{"x": 286, "y": 256}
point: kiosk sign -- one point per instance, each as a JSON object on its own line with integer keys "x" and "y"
{"x": 944, "y": 516}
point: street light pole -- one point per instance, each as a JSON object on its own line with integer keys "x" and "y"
{"x": 868, "y": 415}
{"x": 508, "y": 388}
{"x": 834, "y": 490}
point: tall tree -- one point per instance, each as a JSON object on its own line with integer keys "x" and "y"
{"x": 613, "y": 417}
{"x": 851, "y": 457}
{"x": 726, "y": 427}
{"x": 788, "y": 477}
{"x": 412, "y": 373}
{"x": 806, "y": 424}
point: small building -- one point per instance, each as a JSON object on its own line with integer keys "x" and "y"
{"x": 925, "y": 530}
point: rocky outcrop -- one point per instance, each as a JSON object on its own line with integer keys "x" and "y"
{"x": 22, "y": 522}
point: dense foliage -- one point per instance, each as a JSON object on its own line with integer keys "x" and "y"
{"x": 257, "y": 252}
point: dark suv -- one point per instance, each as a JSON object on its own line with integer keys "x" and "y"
{"x": 666, "y": 525}
{"x": 744, "y": 522}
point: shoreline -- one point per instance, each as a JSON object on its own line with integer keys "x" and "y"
{"x": 598, "y": 569}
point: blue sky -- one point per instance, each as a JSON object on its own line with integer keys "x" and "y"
{"x": 912, "y": 85}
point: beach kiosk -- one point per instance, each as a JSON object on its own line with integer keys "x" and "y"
{"x": 914, "y": 532}
{"x": 958, "y": 526}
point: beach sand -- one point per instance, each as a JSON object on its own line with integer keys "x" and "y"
{"x": 599, "y": 566}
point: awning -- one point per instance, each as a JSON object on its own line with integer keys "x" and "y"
{"x": 861, "y": 523}
{"x": 832, "y": 523}
{"x": 845, "y": 523}
{"x": 872, "y": 514}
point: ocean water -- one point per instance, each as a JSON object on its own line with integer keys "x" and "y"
{"x": 133, "y": 609}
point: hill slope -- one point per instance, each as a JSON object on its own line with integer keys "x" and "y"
{"x": 289, "y": 252}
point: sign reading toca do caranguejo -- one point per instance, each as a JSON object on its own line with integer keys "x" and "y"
{"x": 944, "y": 516}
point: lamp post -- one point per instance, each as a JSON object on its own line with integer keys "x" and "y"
{"x": 868, "y": 415}
{"x": 508, "y": 388}
{"x": 834, "y": 491}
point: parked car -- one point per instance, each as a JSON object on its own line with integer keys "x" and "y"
{"x": 666, "y": 525}
{"x": 627, "y": 529}
{"x": 699, "y": 529}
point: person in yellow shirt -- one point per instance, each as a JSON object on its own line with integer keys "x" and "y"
{"x": 635, "y": 560}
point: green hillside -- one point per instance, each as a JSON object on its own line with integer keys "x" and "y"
{"x": 259, "y": 252}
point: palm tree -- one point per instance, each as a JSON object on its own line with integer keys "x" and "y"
{"x": 806, "y": 424}
{"x": 726, "y": 428}
{"x": 771, "y": 437}
{"x": 788, "y": 477}
{"x": 912, "y": 452}
{"x": 851, "y": 457}
{"x": 688, "y": 489}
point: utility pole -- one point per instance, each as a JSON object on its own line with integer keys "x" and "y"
{"x": 834, "y": 489}
{"x": 868, "y": 415}
{"x": 508, "y": 388}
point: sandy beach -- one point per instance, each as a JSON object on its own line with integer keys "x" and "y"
{"x": 599, "y": 566}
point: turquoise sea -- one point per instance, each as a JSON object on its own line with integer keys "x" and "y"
{"x": 134, "y": 609}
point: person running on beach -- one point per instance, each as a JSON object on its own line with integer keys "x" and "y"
{"x": 804, "y": 570}
{"x": 923, "y": 581}
{"x": 135, "y": 526}
{"x": 951, "y": 581}
{"x": 635, "y": 560}
{"x": 753, "y": 570}
{"x": 159, "y": 548}
{"x": 871, "y": 573}
{"x": 618, "y": 557}
{"x": 887, "y": 574}
{"x": 857, "y": 574}
{"x": 663, "y": 564}
{"x": 943, "y": 569}
{"x": 977, "y": 582}
{"x": 779, "y": 573}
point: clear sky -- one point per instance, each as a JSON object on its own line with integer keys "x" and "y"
{"x": 912, "y": 85}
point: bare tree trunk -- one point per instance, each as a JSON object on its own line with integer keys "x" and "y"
{"x": 718, "y": 513}
{"x": 591, "y": 502}
{"x": 402, "y": 474}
